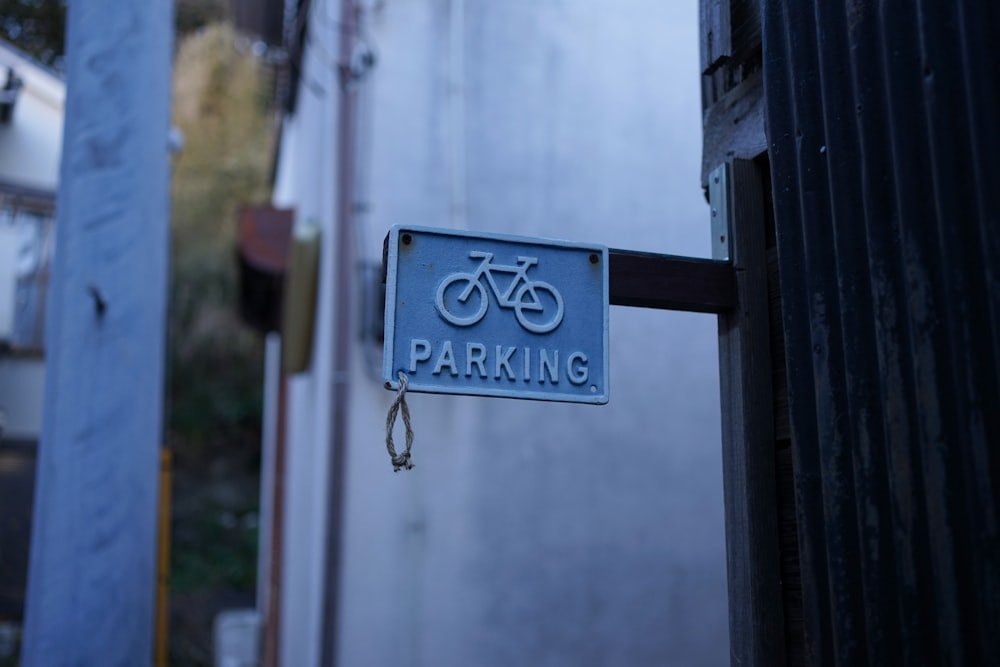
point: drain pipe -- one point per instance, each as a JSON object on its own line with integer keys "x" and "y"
{"x": 456, "y": 114}
{"x": 343, "y": 283}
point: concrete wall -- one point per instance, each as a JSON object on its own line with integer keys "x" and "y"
{"x": 529, "y": 533}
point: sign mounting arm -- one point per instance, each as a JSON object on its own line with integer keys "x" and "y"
{"x": 666, "y": 282}
{"x": 669, "y": 282}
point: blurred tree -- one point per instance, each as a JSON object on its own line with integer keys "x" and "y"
{"x": 37, "y": 27}
{"x": 194, "y": 14}
{"x": 222, "y": 104}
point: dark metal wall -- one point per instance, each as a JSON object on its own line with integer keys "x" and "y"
{"x": 882, "y": 127}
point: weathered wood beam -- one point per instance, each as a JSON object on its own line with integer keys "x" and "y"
{"x": 734, "y": 126}
{"x": 668, "y": 282}
{"x": 756, "y": 613}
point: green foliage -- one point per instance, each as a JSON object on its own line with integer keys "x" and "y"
{"x": 215, "y": 361}
{"x": 191, "y": 15}
{"x": 37, "y": 27}
{"x": 10, "y": 641}
{"x": 227, "y": 556}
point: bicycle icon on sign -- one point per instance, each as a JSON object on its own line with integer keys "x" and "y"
{"x": 537, "y": 304}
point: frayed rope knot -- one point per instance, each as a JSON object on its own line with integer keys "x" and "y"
{"x": 399, "y": 461}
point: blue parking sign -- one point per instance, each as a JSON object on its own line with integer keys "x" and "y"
{"x": 496, "y": 315}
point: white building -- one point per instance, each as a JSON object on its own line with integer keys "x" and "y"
{"x": 31, "y": 122}
{"x": 529, "y": 533}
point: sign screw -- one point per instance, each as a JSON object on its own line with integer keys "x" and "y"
{"x": 407, "y": 239}
{"x": 593, "y": 258}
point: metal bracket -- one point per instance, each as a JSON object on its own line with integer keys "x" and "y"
{"x": 718, "y": 200}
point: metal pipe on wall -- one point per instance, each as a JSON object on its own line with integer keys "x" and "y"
{"x": 344, "y": 250}
{"x": 456, "y": 114}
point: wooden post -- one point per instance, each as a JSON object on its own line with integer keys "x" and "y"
{"x": 92, "y": 572}
{"x": 756, "y": 615}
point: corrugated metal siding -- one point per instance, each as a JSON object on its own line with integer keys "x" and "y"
{"x": 744, "y": 25}
{"x": 882, "y": 127}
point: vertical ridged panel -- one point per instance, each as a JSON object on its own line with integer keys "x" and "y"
{"x": 883, "y": 145}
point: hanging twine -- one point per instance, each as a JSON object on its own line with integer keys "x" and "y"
{"x": 399, "y": 461}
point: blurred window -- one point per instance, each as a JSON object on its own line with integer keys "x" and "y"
{"x": 26, "y": 244}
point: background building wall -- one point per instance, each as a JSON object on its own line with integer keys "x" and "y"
{"x": 30, "y": 145}
{"x": 30, "y": 149}
{"x": 305, "y": 180}
{"x": 528, "y": 533}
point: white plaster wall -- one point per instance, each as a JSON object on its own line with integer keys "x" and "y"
{"x": 305, "y": 180}
{"x": 31, "y": 143}
{"x": 9, "y": 237}
{"x": 30, "y": 147}
{"x": 528, "y": 533}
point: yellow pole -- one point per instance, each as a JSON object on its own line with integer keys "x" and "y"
{"x": 163, "y": 560}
